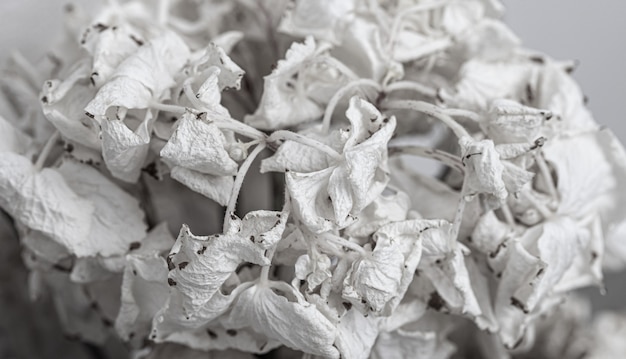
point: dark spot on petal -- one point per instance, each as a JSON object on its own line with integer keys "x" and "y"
{"x": 231, "y": 332}
{"x": 263, "y": 346}
{"x": 152, "y": 171}
{"x": 100, "y": 27}
{"x": 212, "y": 334}
{"x": 363, "y": 301}
{"x": 107, "y": 322}
{"x": 44, "y": 99}
{"x": 182, "y": 265}
{"x": 435, "y": 301}
{"x": 252, "y": 239}
{"x": 540, "y": 272}
{"x": 170, "y": 264}
{"x": 171, "y": 282}
{"x": 518, "y": 304}
{"x": 134, "y": 245}
{"x": 136, "y": 40}
{"x": 89, "y": 115}
{"x": 202, "y": 250}
{"x": 69, "y": 147}
{"x": 519, "y": 342}
{"x": 347, "y": 305}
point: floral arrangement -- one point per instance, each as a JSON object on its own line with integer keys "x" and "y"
{"x": 359, "y": 179}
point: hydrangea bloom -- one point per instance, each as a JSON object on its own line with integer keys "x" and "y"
{"x": 296, "y": 121}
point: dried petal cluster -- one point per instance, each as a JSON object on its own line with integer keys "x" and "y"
{"x": 319, "y": 106}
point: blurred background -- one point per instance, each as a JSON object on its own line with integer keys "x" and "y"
{"x": 590, "y": 32}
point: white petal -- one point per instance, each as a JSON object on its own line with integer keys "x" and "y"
{"x": 144, "y": 292}
{"x": 324, "y": 20}
{"x": 142, "y": 77}
{"x": 117, "y": 221}
{"x": 124, "y": 151}
{"x": 287, "y": 318}
{"x": 43, "y": 201}
{"x": 199, "y": 146}
{"x": 217, "y": 188}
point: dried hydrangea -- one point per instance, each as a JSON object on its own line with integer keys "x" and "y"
{"x": 318, "y": 106}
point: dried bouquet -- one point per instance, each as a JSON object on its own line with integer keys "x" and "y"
{"x": 344, "y": 179}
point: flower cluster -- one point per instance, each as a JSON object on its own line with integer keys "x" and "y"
{"x": 359, "y": 251}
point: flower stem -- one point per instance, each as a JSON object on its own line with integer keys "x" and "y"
{"x": 508, "y": 216}
{"x": 545, "y": 173}
{"x": 395, "y": 28}
{"x": 342, "y": 242}
{"x": 265, "y": 270}
{"x": 432, "y": 111}
{"x": 330, "y": 108}
{"x": 164, "y": 9}
{"x": 283, "y": 135}
{"x": 446, "y": 158}
{"x": 458, "y": 216}
{"x": 241, "y": 174}
{"x": 456, "y": 112}
{"x": 412, "y": 86}
{"x": 171, "y": 108}
{"x": 545, "y": 212}
{"x": 45, "y": 151}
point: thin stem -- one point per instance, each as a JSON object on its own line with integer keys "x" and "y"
{"x": 341, "y": 67}
{"x": 342, "y": 242}
{"x": 163, "y": 11}
{"x": 330, "y": 108}
{"x": 240, "y": 128}
{"x": 191, "y": 96}
{"x": 31, "y": 75}
{"x": 446, "y": 158}
{"x": 241, "y": 174}
{"x": 457, "y": 112}
{"x": 545, "y": 212}
{"x": 45, "y": 151}
{"x": 283, "y": 135}
{"x": 395, "y": 28}
{"x": 545, "y": 173}
{"x": 171, "y": 108}
{"x": 460, "y": 209}
{"x": 432, "y": 111}
{"x": 265, "y": 270}
{"x": 508, "y": 216}
{"x": 412, "y": 86}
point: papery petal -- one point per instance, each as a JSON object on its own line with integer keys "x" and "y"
{"x": 287, "y": 318}
{"x": 144, "y": 292}
{"x": 484, "y": 168}
{"x": 356, "y": 335}
{"x": 117, "y": 221}
{"x": 199, "y": 266}
{"x": 199, "y": 146}
{"x": 124, "y": 151}
{"x": 44, "y": 201}
{"x": 217, "y": 188}
{"x": 309, "y": 196}
{"x": 143, "y": 77}
{"x": 324, "y": 20}
{"x": 511, "y": 122}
